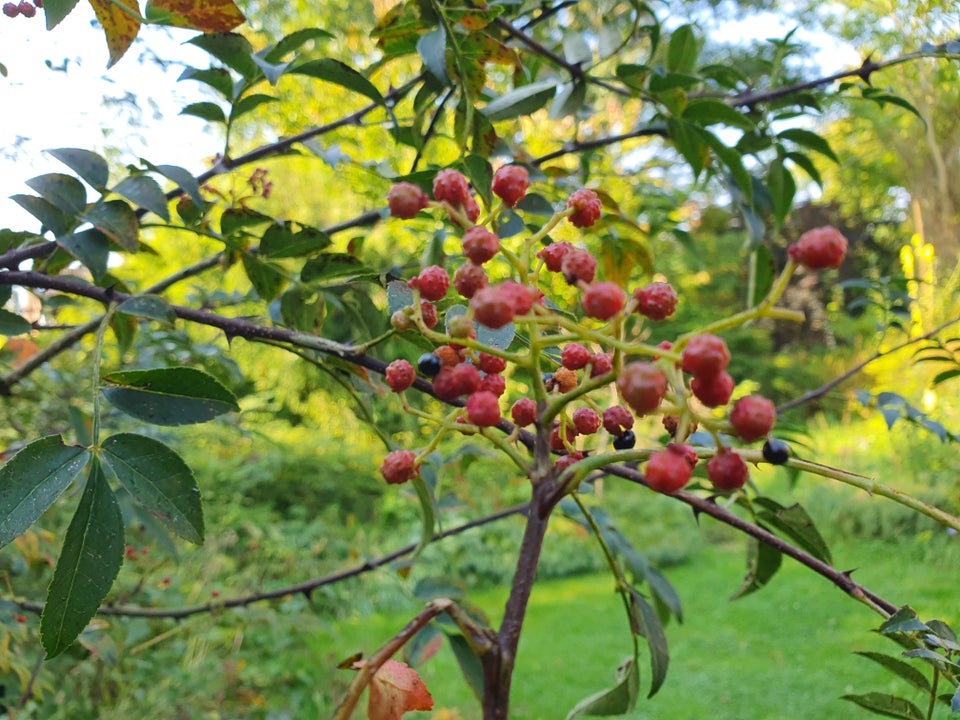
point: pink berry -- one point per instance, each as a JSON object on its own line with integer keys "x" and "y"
{"x": 451, "y": 187}
{"x": 510, "y": 184}
{"x": 668, "y": 470}
{"x": 469, "y": 278}
{"x": 492, "y": 307}
{"x": 642, "y": 386}
{"x": 820, "y": 248}
{"x": 574, "y": 356}
{"x": 406, "y": 200}
{"x": 400, "y": 375}
{"x": 753, "y": 417}
{"x": 565, "y": 461}
{"x": 524, "y": 412}
{"x": 553, "y": 254}
{"x": 520, "y": 296}
{"x": 491, "y": 364}
{"x": 11, "y": 10}
{"x": 556, "y": 442}
{"x": 617, "y": 420}
{"x": 727, "y": 470}
{"x": 578, "y": 266}
{"x": 495, "y": 383}
{"x": 480, "y": 245}
{"x": 433, "y": 283}
{"x": 452, "y": 382}
{"x": 429, "y": 313}
{"x": 399, "y": 467}
{"x": 656, "y": 301}
{"x": 600, "y": 364}
{"x": 586, "y": 208}
{"x": 603, "y": 300}
{"x": 713, "y": 390}
{"x": 586, "y": 421}
{"x": 27, "y": 9}
{"x": 705, "y": 355}
{"x": 483, "y": 409}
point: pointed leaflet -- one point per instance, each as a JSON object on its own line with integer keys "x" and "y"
{"x": 33, "y": 479}
{"x": 12, "y": 324}
{"x": 648, "y": 625}
{"x": 338, "y": 73}
{"x": 88, "y": 165}
{"x": 144, "y": 192}
{"x": 64, "y": 192}
{"x": 886, "y": 705}
{"x": 91, "y": 247}
{"x": 899, "y": 667}
{"x": 763, "y": 562}
{"x": 57, "y": 10}
{"x": 794, "y": 522}
{"x": 49, "y": 216}
{"x": 118, "y": 221}
{"x": 157, "y": 477}
{"x": 204, "y": 15}
{"x": 169, "y": 396}
{"x": 121, "y": 23}
{"x": 619, "y": 699}
{"x": 91, "y": 557}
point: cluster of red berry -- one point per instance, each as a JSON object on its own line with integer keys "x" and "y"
{"x": 25, "y": 8}
{"x": 662, "y": 384}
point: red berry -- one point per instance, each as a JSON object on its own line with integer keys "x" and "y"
{"x": 574, "y": 356}
{"x": 492, "y": 307}
{"x": 524, "y": 412}
{"x": 603, "y": 300}
{"x": 510, "y": 184}
{"x": 480, "y": 245}
{"x": 617, "y": 420}
{"x": 400, "y": 375}
{"x": 553, "y": 254}
{"x": 11, "y": 10}
{"x": 656, "y": 301}
{"x": 452, "y": 382}
{"x": 586, "y": 421}
{"x": 448, "y": 356}
{"x": 668, "y": 470}
{"x": 433, "y": 282}
{"x": 399, "y": 466}
{"x": 27, "y": 9}
{"x": 600, "y": 364}
{"x": 642, "y": 386}
{"x": 471, "y": 209}
{"x": 520, "y": 296}
{"x": 727, "y": 470}
{"x": 469, "y": 278}
{"x": 820, "y": 248}
{"x": 496, "y": 384}
{"x": 713, "y": 390}
{"x": 406, "y": 200}
{"x": 753, "y": 417}
{"x": 556, "y": 443}
{"x": 565, "y": 461}
{"x": 586, "y": 208}
{"x": 428, "y": 311}
{"x": 578, "y": 266}
{"x": 451, "y": 187}
{"x": 483, "y": 409}
{"x": 491, "y": 364}
{"x": 688, "y": 452}
{"x": 705, "y": 355}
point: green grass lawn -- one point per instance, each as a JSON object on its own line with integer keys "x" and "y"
{"x": 783, "y": 653}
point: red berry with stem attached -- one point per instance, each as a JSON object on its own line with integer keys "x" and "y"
{"x": 400, "y": 375}
{"x": 452, "y": 382}
{"x": 586, "y": 421}
{"x": 399, "y": 467}
{"x": 496, "y": 384}
{"x": 656, "y": 301}
{"x": 553, "y": 254}
{"x": 574, "y": 356}
{"x": 600, "y": 364}
{"x": 556, "y": 442}
{"x": 27, "y": 9}
{"x": 491, "y": 364}
{"x": 586, "y": 208}
{"x": 642, "y": 386}
{"x": 668, "y": 470}
{"x": 492, "y": 307}
{"x": 428, "y": 311}
{"x": 603, "y": 300}
{"x": 727, "y": 470}
{"x": 11, "y": 10}
{"x": 510, "y": 184}
{"x": 451, "y": 187}
{"x": 713, "y": 390}
{"x": 705, "y": 355}
{"x": 480, "y": 245}
{"x": 483, "y": 409}
{"x": 820, "y": 248}
{"x": 524, "y": 412}
{"x": 433, "y": 283}
{"x": 617, "y": 420}
{"x": 578, "y": 266}
{"x": 469, "y": 278}
{"x": 406, "y": 200}
{"x": 753, "y": 417}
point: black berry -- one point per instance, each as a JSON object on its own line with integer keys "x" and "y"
{"x": 625, "y": 441}
{"x": 776, "y": 452}
{"x": 429, "y": 365}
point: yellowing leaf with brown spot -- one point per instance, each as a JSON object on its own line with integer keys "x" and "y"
{"x": 395, "y": 689}
{"x": 204, "y": 15}
{"x": 120, "y": 26}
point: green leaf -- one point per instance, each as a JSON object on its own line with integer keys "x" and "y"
{"x": 90, "y": 247}
{"x": 782, "y": 190}
{"x": 157, "y": 477}
{"x": 523, "y": 100}
{"x": 338, "y": 73}
{"x": 294, "y": 41}
{"x": 215, "y": 77}
{"x": 183, "y": 178}
{"x": 469, "y": 663}
{"x": 89, "y": 561}
{"x": 117, "y": 221}
{"x": 233, "y": 220}
{"x": 683, "y": 50}
{"x": 794, "y": 522}
{"x": 432, "y": 48}
{"x": 480, "y": 173}
{"x": 232, "y": 49}
{"x": 64, "y": 192}
{"x": 279, "y": 241}
{"x": 152, "y": 307}
{"x": 690, "y": 142}
{"x": 765, "y": 271}
{"x": 249, "y": 104}
{"x": 88, "y": 165}
{"x": 647, "y": 624}
{"x": 806, "y": 164}
{"x": 905, "y": 620}
{"x": 898, "y": 667}
{"x": 618, "y": 700}
{"x": 945, "y": 375}
{"x": 708, "y": 111}
{"x": 33, "y": 479}
{"x": 399, "y": 296}
{"x": 332, "y": 265}
{"x": 424, "y": 484}
{"x": 143, "y": 191}
{"x": 302, "y": 309}
{"x": 266, "y": 279}
{"x": 763, "y": 562}
{"x": 206, "y": 111}
{"x": 49, "y": 216}
{"x": 169, "y": 396}
{"x": 569, "y": 101}
{"x": 886, "y": 705}
{"x": 664, "y": 591}
{"x": 734, "y": 164}
{"x": 810, "y": 140}
{"x": 12, "y": 324}
{"x": 57, "y": 10}
{"x": 124, "y": 327}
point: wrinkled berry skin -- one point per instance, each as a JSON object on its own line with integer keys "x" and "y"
{"x": 586, "y": 208}
{"x": 406, "y": 200}
{"x": 433, "y": 283}
{"x": 617, "y": 420}
{"x": 776, "y": 452}
{"x": 586, "y": 421}
{"x": 492, "y": 307}
{"x": 705, "y": 355}
{"x": 400, "y": 375}
{"x": 27, "y": 9}
{"x": 727, "y": 470}
{"x": 574, "y": 356}
{"x": 603, "y": 300}
{"x": 451, "y": 187}
{"x": 642, "y": 386}
{"x": 578, "y": 266}
{"x": 524, "y": 412}
{"x": 668, "y": 470}
{"x": 469, "y": 278}
{"x": 11, "y": 9}
{"x": 510, "y": 184}
{"x": 753, "y": 417}
{"x": 491, "y": 364}
{"x": 483, "y": 409}
{"x": 657, "y": 301}
{"x": 399, "y": 467}
{"x": 713, "y": 390}
{"x": 820, "y": 249}
{"x": 480, "y": 245}
{"x": 553, "y": 254}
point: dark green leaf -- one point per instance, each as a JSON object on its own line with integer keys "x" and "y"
{"x": 733, "y": 161}
{"x": 238, "y": 218}
{"x": 664, "y": 83}
{"x": 431, "y": 588}
{"x": 302, "y": 309}
{"x": 810, "y": 140}
{"x": 144, "y": 192}
{"x": 766, "y": 270}
{"x": 428, "y": 505}
{"x": 683, "y": 50}
{"x": 153, "y": 307}
{"x": 206, "y": 111}
{"x": 399, "y": 296}
{"x": 707, "y": 111}
{"x": 249, "y": 104}
{"x": 183, "y": 178}
{"x": 64, "y": 192}
{"x": 90, "y": 247}
{"x": 480, "y": 174}
{"x": 945, "y": 375}
{"x": 618, "y": 700}
{"x": 168, "y": 396}
{"x": 782, "y": 190}
{"x": 569, "y": 101}
{"x": 294, "y": 41}
{"x": 806, "y": 164}
{"x": 12, "y": 324}
{"x": 633, "y": 76}
{"x": 886, "y": 705}
{"x": 157, "y": 477}
{"x": 664, "y": 591}
{"x": 794, "y": 522}
{"x": 89, "y": 561}
{"x": 279, "y": 241}
{"x": 432, "y": 48}
{"x": 88, "y": 165}
{"x": 57, "y": 10}
{"x": 33, "y": 479}
{"x": 266, "y": 279}
{"x": 232, "y": 49}
{"x": 649, "y": 627}
{"x": 117, "y": 221}
{"x": 124, "y": 328}
{"x": 331, "y": 265}
{"x": 338, "y": 73}
{"x": 523, "y": 100}
{"x": 763, "y": 562}
{"x": 690, "y": 142}
{"x": 903, "y": 621}
{"x": 899, "y": 667}
{"x": 215, "y": 77}
{"x": 469, "y": 663}
{"x": 536, "y": 204}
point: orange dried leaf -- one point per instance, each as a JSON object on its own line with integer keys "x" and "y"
{"x": 120, "y": 26}
{"x": 204, "y": 15}
{"x": 22, "y": 349}
{"x": 396, "y": 689}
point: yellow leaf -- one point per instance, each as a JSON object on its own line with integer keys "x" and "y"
{"x": 120, "y": 26}
{"x": 204, "y": 15}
